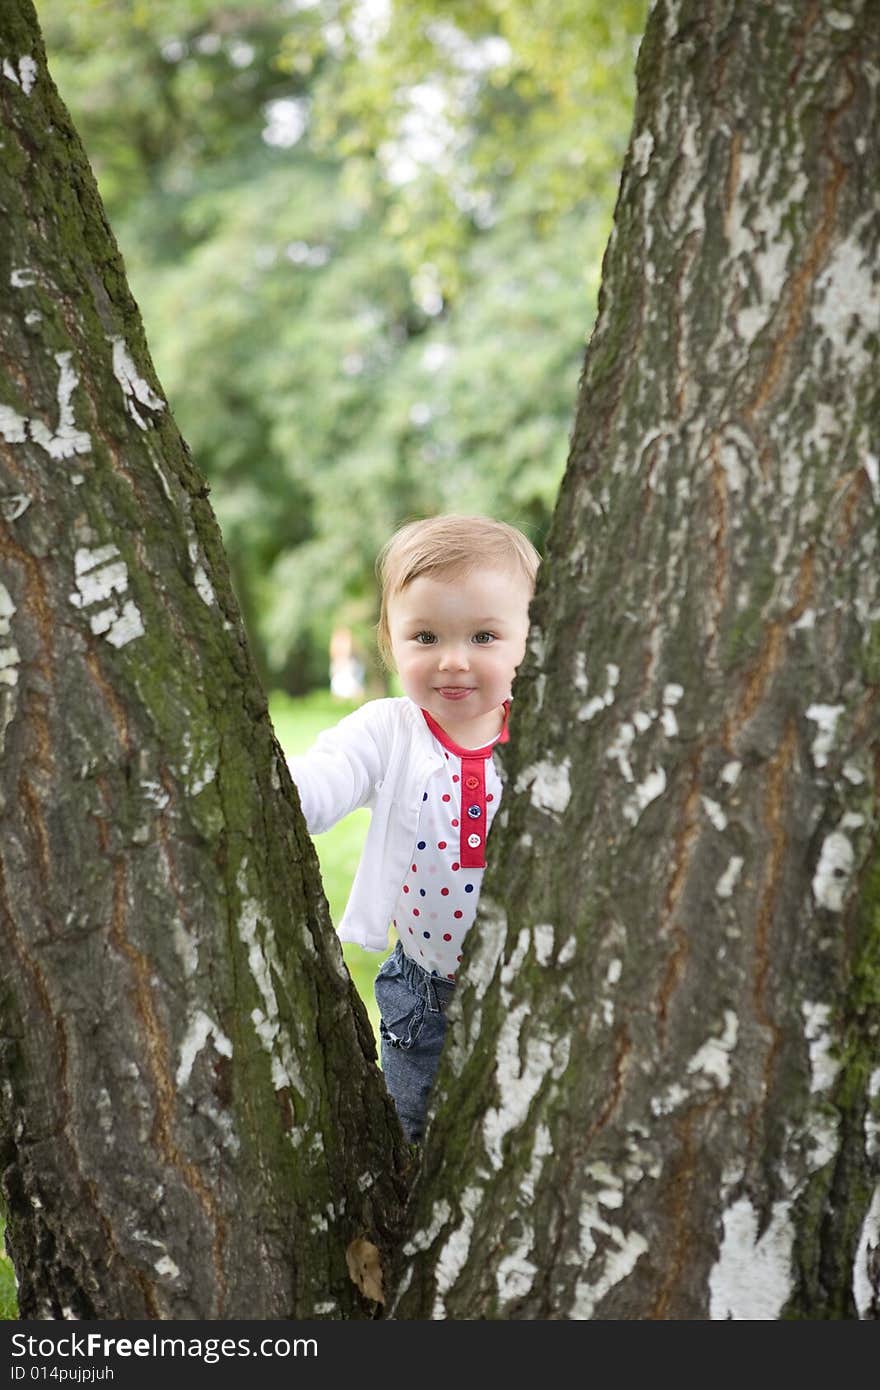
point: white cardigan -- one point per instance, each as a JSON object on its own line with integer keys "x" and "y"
{"x": 380, "y": 756}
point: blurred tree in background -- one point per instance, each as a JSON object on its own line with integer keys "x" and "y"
{"x": 365, "y": 238}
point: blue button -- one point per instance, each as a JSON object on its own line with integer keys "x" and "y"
{"x": 474, "y": 812}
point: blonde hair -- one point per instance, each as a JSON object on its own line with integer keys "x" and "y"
{"x": 447, "y": 545}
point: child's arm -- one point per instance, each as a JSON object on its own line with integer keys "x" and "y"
{"x": 342, "y": 769}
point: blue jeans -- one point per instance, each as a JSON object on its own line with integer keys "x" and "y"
{"x": 412, "y": 1026}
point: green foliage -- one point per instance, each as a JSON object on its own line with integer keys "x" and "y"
{"x": 517, "y": 94}
{"x": 367, "y": 261}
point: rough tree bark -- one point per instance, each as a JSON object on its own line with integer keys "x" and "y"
{"x": 192, "y": 1121}
{"x": 661, "y": 1100}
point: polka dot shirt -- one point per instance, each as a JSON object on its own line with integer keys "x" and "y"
{"x": 438, "y": 900}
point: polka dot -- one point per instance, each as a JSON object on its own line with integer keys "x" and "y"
{"x": 445, "y": 892}
{"x": 447, "y": 757}
{"x": 420, "y": 845}
{"x": 421, "y": 892}
{"x": 447, "y": 936}
{"x": 455, "y": 822}
{"x": 490, "y": 797}
{"x": 455, "y": 868}
{"x": 446, "y": 796}
{"x": 414, "y": 869}
{"x": 424, "y": 796}
{"x": 458, "y": 914}
{"x": 450, "y": 977}
{"x": 469, "y": 888}
{"x": 441, "y": 844}
{"x": 416, "y": 912}
{"x": 410, "y": 930}
{"x": 426, "y": 935}
{"x": 458, "y": 957}
{"x": 455, "y": 777}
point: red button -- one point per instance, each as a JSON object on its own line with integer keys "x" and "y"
{"x": 472, "y": 782}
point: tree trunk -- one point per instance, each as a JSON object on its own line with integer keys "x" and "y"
{"x": 661, "y": 1095}
{"x": 192, "y": 1121}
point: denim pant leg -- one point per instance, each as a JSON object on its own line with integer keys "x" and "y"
{"x": 412, "y": 1008}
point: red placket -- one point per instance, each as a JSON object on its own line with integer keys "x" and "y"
{"x": 472, "y": 812}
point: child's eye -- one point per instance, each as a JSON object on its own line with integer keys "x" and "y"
{"x": 425, "y": 638}
{"x": 483, "y": 639}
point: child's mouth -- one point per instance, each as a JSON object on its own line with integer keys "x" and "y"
{"x": 455, "y": 692}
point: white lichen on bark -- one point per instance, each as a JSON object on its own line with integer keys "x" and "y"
{"x": 24, "y": 75}
{"x": 13, "y": 426}
{"x": 826, "y": 717}
{"x": 424, "y": 1239}
{"x": 823, "y": 1067}
{"x": 645, "y": 792}
{"x": 550, "y": 784}
{"x": 542, "y": 935}
{"x": 728, "y": 880}
{"x": 254, "y": 923}
{"x": 204, "y": 587}
{"x": 65, "y": 440}
{"x": 866, "y": 1293}
{"x": 752, "y": 1278}
{"x": 831, "y": 879}
{"x": 619, "y": 750}
{"x": 713, "y": 1058}
{"x": 846, "y": 310}
{"x": 592, "y": 707}
{"x": 614, "y": 1262}
{"x": 99, "y": 575}
{"x": 10, "y": 660}
{"x": 456, "y": 1246}
{"x": 714, "y": 812}
{"x": 872, "y": 1117}
{"x": 199, "y": 1030}
{"x": 521, "y": 1070}
{"x": 134, "y": 387}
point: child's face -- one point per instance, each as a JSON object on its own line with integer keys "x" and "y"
{"x": 457, "y": 642}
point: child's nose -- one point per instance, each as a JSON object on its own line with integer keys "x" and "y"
{"x": 454, "y": 658}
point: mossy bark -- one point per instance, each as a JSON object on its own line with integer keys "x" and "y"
{"x": 192, "y": 1124}
{"x": 661, "y": 1095}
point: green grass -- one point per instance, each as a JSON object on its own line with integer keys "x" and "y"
{"x": 8, "y": 1298}
{"x": 297, "y": 724}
